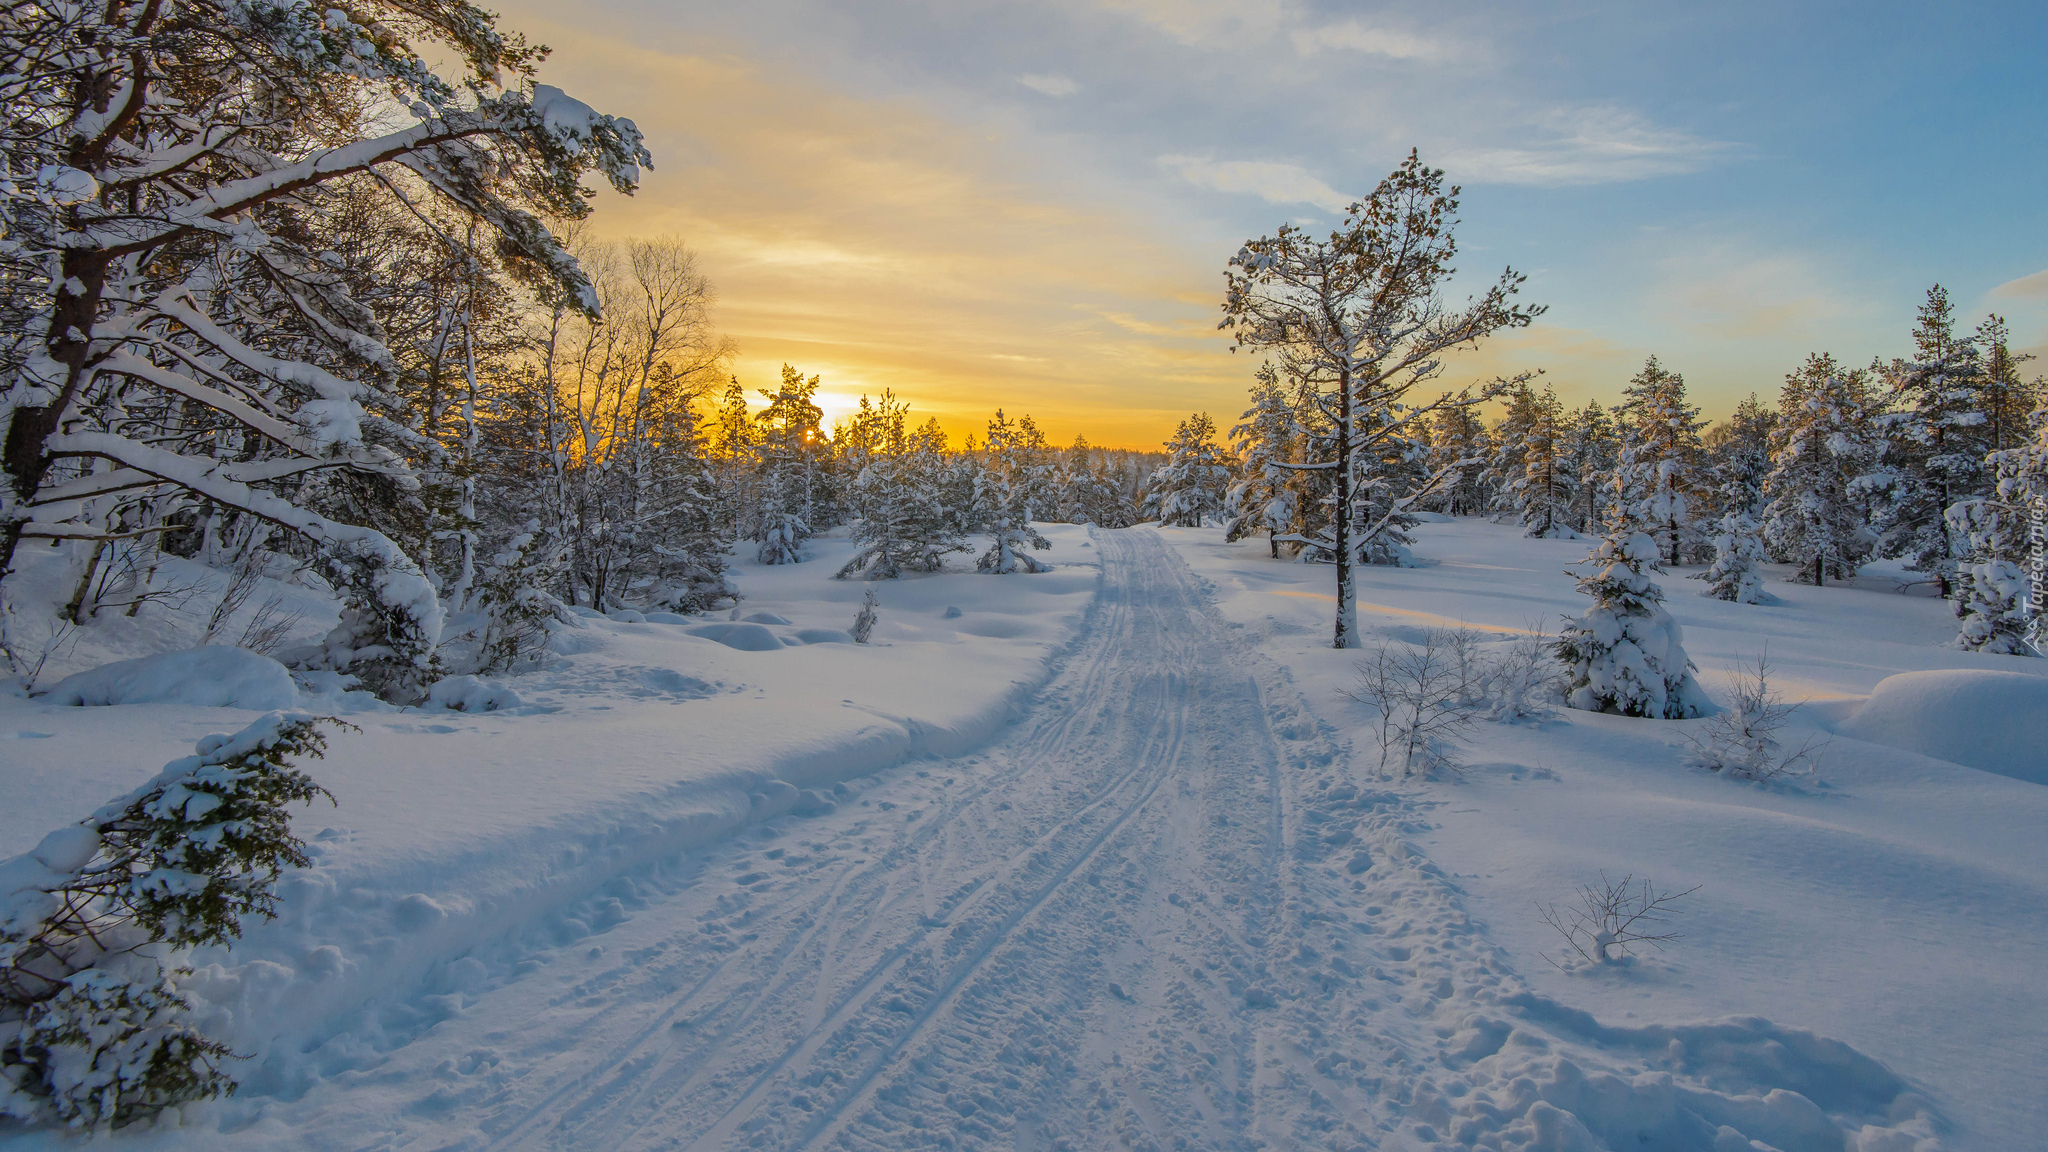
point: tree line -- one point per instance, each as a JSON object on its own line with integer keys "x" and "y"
{"x": 1939, "y": 458}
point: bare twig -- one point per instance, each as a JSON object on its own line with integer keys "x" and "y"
{"x": 1611, "y": 916}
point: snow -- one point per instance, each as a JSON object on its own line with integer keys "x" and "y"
{"x": 210, "y": 677}
{"x": 1099, "y": 857}
{"x": 1993, "y": 720}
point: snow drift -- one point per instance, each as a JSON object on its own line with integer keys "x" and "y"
{"x": 1996, "y": 721}
{"x": 212, "y": 677}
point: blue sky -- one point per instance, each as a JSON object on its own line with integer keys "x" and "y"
{"x": 1032, "y": 204}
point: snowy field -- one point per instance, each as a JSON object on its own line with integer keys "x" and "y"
{"x": 1100, "y": 858}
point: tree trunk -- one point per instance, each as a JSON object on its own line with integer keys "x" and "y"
{"x": 1347, "y": 602}
{"x": 1818, "y": 572}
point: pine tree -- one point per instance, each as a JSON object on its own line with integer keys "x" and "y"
{"x": 1508, "y": 464}
{"x": 1737, "y": 571}
{"x": 1460, "y": 443}
{"x": 1190, "y": 487}
{"x": 1002, "y": 501}
{"x": 1543, "y": 494}
{"x": 1821, "y": 445}
{"x": 1361, "y": 314}
{"x": 1739, "y": 456}
{"x": 2006, "y": 400}
{"x": 1660, "y": 458}
{"x": 895, "y": 492}
{"x": 183, "y": 186}
{"x": 1626, "y": 655}
{"x": 1593, "y": 450}
{"x": 1934, "y": 443}
{"x": 791, "y": 444}
{"x": 2006, "y": 535}
{"x": 1262, "y": 499}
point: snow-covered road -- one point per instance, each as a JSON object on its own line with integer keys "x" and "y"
{"x": 1160, "y": 911}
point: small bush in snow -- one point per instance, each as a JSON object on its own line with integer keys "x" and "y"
{"x": 1611, "y": 916}
{"x": 1419, "y": 696}
{"x": 93, "y": 1029}
{"x": 864, "y": 624}
{"x": 1741, "y": 741}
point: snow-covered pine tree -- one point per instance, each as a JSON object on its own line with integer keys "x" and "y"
{"x": 1459, "y": 441}
{"x": 1934, "y": 444}
{"x": 1189, "y": 489}
{"x": 99, "y": 1034}
{"x": 1823, "y": 442}
{"x": 1626, "y": 655}
{"x": 1593, "y": 449}
{"x": 1993, "y": 594}
{"x": 791, "y": 445}
{"x": 894, "y": 490}
{"x": 1737, "y": 571}
{"x": 1362, "y": 315}
{"x": 1002, "y": 502}
{"x": 1660, "y": 458}
{"x": 1505, "y": 467}
{"x": 1739, "y": 457}
{"x": 2008, "y": 401}
{"x": 733, "y": 443}
{"x": 195, "y": 340}
{"x": 1263, "y": 498}
{"x": 2003, "y": 538}
{"x": 1543, "y": 494}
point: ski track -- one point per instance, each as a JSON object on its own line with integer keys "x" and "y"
{"x": 1158, "y": 912}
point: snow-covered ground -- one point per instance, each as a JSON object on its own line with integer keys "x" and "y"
{"x": 1102, "y": 860}
{"x": 1898, "y": 903}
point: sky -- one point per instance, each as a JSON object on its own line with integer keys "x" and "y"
{"x": 1030, "y": 206}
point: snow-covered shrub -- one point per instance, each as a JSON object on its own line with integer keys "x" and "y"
{"x": 1520, "y": 680}
{"x": 1613, "y": 915}
{"x": 1737, "y": 573}
{"x": 1741, "y": 741}
{"x": 1993, "y": 595}
{"x": 782, "y": 538}
{"x": 1420, "y": 700}
{"x": 513, "y": 594}
{"x": 864, "y": 623}
{"x": 92, "y": 1026}
{"x": 1626, "y": 655}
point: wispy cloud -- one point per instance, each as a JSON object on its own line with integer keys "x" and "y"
{"x": 1352, "y": 36}
{"x": 1049, "y": 83}
{"x": 1599, "y": 144}
{"x": 2034, "y": 287}
{"x": 1272, "y": 182}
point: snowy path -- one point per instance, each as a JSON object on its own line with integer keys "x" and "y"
{"x": 1158, "y": 912}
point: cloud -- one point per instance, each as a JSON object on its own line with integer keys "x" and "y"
{"x": 1215, "y": 24}
{"x": 1599, "y": 144}
{"x": 1356, "y": 37}
{"x": 1272, "y": 182}
{"x": 1051, "y": 84}
{"x": 2033, "y": 287}
{"x": 876, "y": 244}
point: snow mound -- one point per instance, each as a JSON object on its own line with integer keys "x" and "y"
{"x": 1983, "y": 719}
{"x": 744, "y": 637}
{"x": 472, "y": 694}
{"x": 211, "y": 677}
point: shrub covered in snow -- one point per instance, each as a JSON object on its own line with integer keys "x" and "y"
{"x": 93, "y": 1029}
{"x": 1741, "y": 741}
